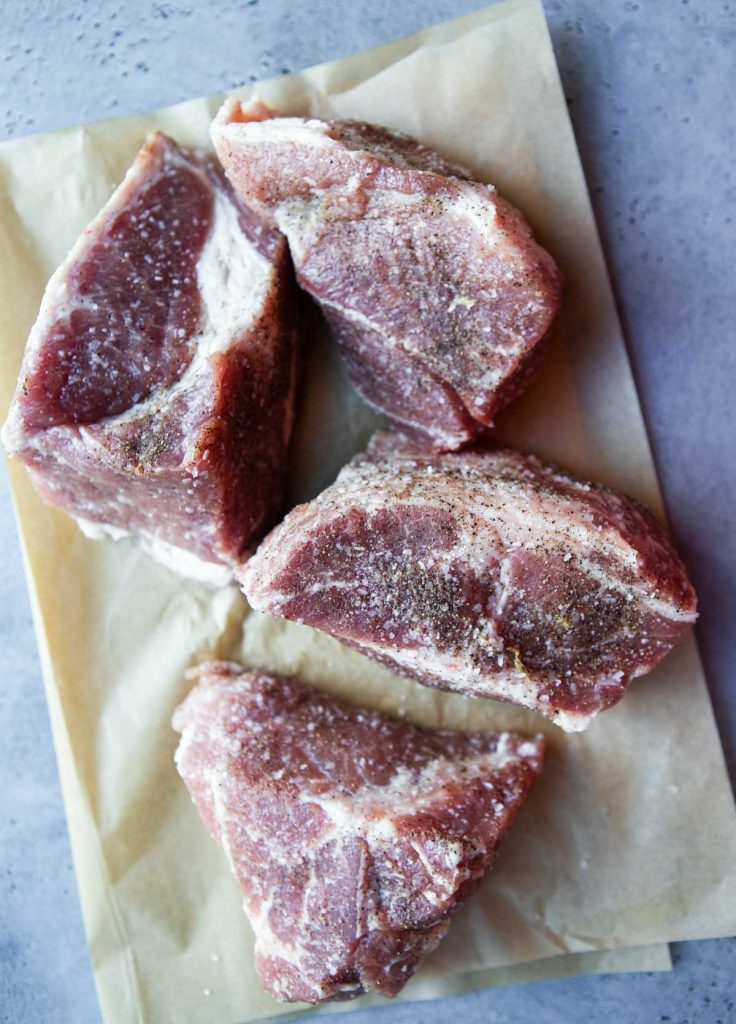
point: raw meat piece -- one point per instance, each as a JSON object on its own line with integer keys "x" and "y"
{"x": 156, "y": 392}
{"x": 353, "y": 835}
{"x": 434, "y": 286}
{"x": 485, "y": 572}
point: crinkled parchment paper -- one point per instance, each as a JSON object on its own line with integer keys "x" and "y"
{"x": 629, "y": 838}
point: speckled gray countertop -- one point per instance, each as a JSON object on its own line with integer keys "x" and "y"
{"x": 650, "y": 87}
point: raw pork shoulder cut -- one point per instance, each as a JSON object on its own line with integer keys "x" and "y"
{"x": 155, "y": 396}
{"x": 485, "y": 572}
{"x": 437, "y": 292}
{"x": 353, "y": 835}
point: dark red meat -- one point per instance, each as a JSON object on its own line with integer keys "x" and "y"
{"x": 353, "y": 835}
{"x": 485, "y": 572}
{"x": 434, "y": 286}
{"x": 155, "y": 396}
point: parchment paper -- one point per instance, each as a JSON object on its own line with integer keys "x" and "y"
{"x": 629, "y": 838}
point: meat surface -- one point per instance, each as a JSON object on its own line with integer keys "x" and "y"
{"x": 485, "y": 572}
{"x": 353, "y": 835}
{"x": 435, "y": 288}
{"x": 155, "y": 396}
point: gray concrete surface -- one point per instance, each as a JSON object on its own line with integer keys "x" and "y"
{"x": 650, "y": 87}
